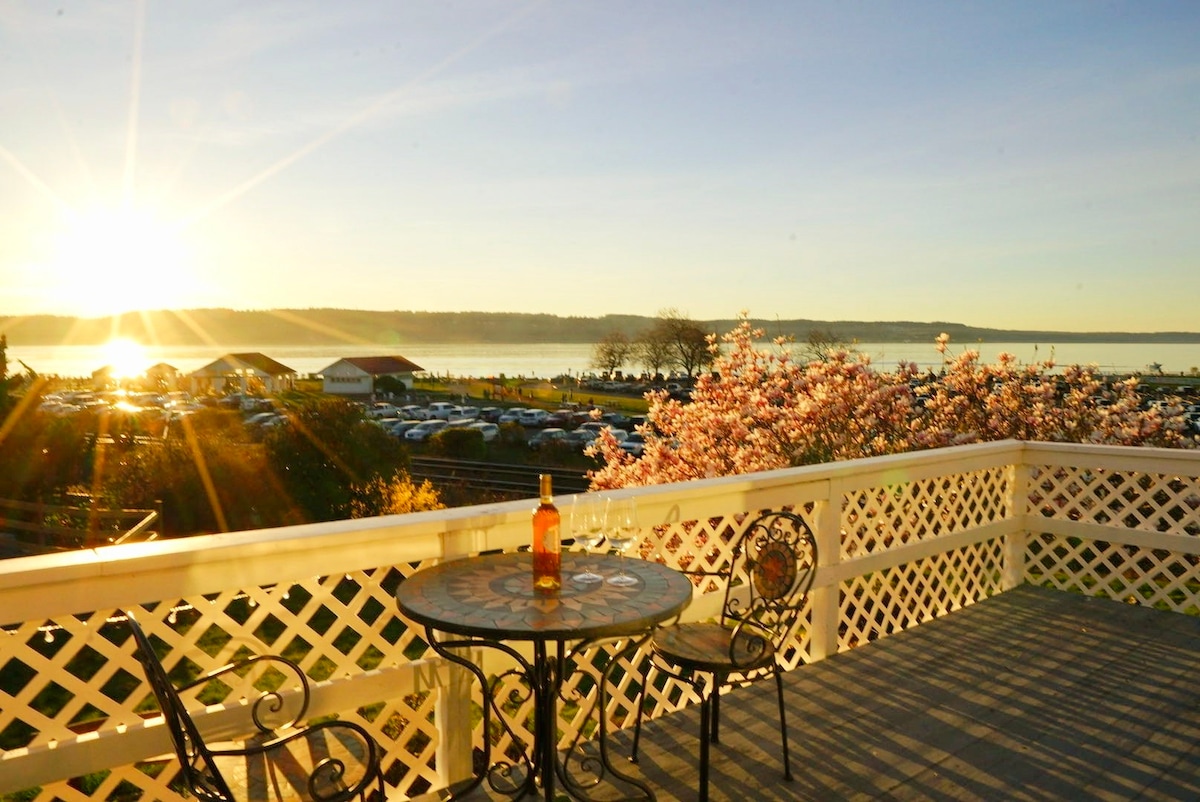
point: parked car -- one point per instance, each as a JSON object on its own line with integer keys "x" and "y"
{"x": 264, "y": 420}
{"x": 533, "y": 417}
{"x": 471, "y": 413}
{"x": 424, "y": 430}
{"x": 616, "y": 419}
{"x": 411, "y": 412}
{"x": 399, "y": 428}
{"x": 490, "y": 431}
{"x": 442, "y": 410}
{"x": 491, "y": 414}
{"x": 634, "y": 444}
{"x": 579, "y": 439}
{"x": 382, "y": 409}
{"x": 510, "y": 415}
{"x": 547, "y": 437}
{"x": 596, "y": 427}
{"x": 561, "y": 418}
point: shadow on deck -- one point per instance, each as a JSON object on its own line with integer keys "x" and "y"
{"x": 1031, "y": 695}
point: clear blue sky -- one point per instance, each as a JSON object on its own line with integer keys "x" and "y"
{"x": 1028, "y": 165}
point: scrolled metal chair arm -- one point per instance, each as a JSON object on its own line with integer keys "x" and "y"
{"x": 329, "y": 772}
{"x": 268, "y": 702}
{"x": 755, "y": 642}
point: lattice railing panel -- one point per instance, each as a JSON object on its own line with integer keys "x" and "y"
{"x": 342, "y": 626}
{"x": 1123, "y": 500}
{"x": 77, "y": 673}
{"x": 880, "y": 518}
{"x": 1150, "y": 502}
{"x": 1151, "y": 577}
{"x": 892, "y": 600}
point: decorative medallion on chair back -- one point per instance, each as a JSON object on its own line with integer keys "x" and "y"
{"x": 773, "y": 566}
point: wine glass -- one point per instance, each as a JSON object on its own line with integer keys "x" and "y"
{"x": 622, "y": 531}
{"x": 587, "y": 528}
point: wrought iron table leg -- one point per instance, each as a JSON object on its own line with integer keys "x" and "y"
{"x": 543, "y": 764}
{"x": 492, "y": 773}
{"x": 606, "y": 765}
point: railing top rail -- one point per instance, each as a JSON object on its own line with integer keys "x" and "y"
{"x": 1098, "y": 456}
{"x": 55, "y": 584}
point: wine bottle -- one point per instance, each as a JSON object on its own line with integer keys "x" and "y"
{"x": 547, "y": 541}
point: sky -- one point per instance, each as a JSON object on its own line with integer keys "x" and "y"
{"x": 1020, "y": 165}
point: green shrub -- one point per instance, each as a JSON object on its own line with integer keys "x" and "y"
{"x": 395, "y": 496}
{"x": 458, "y": 442}
{"x": 325, "y": 450}
{"x": 512, "y": 434}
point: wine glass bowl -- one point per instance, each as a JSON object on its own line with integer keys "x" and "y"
{"x": 588, "y": 514}
{"x": 622, "y": 531}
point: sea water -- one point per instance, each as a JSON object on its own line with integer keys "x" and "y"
{"x": 548, "y": 360}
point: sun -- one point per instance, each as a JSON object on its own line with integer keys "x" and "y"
{"x": 111, "y": 261}
{"x": 125, "y": 358}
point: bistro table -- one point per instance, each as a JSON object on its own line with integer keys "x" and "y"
{"x": 488, "y": 600}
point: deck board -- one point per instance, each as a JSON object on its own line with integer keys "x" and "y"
{"x": 1031, "y": 695}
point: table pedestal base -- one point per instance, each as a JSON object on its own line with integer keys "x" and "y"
{"x": 542, "y": 768}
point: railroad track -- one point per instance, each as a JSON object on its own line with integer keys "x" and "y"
{"x": 518, "y": 481}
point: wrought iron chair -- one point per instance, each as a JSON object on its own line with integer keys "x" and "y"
{"x": 325, "y": 781}
{"x": 769, "y": 575}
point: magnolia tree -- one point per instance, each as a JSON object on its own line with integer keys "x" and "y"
{"x": 759, "y": 409}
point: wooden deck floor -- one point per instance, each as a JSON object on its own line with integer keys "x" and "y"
{"x": 1031, "y": 695}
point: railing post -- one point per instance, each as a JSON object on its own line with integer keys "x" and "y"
{"x": 826, "y": 597}
{"x": 1013, "y": 570}
{"x": 452, "y": 716}
{"x": 452, "y": 713}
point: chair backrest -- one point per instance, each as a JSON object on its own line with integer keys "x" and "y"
{"x": 773, "y": 566}
{"x": 195, "y": 760}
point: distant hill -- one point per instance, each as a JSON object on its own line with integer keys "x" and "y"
{"x": 232, "y": 328}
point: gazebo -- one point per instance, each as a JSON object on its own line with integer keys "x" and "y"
{"x": 241, "y": 370}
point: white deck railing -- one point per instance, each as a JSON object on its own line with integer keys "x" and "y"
{"x": 903, "y": 539}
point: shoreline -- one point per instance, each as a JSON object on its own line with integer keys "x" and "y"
{"x": 551, "y": 360}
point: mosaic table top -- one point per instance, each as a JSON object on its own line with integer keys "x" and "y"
{"x": 492, "y": 596}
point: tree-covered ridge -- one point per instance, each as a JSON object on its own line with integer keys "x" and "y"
{"x": 231, "y": 328}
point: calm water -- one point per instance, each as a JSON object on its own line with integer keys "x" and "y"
{"x": 555, "y": 359}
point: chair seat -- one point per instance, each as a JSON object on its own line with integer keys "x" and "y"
{"x": 706, "y": 647}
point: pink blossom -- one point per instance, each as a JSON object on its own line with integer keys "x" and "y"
{"x": 759, "y": 409}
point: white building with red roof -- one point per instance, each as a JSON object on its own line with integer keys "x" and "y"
{"x": 358, "y": 375}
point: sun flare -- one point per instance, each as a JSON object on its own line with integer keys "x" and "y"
{"x": 107, "y": 262}
{"x": 125, "y": 358}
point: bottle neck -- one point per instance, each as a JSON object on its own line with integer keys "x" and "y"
{"x": 544, "y": 489}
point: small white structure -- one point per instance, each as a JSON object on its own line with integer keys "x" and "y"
{"x": 243, "y": 371}
{"x": 357, "y": 375}
{"x": 162, "y": 376}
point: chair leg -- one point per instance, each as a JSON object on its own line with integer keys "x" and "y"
{"x": 716, "y": 710}
{"x": 641, "y": 705}
{"x": 787, "y": 763}
{"x": 705, "y": 732}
